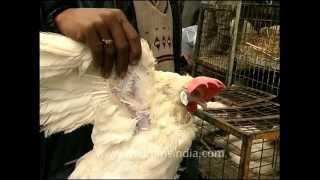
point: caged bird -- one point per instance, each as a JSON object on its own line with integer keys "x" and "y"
{"x": 264, "y": 156}
{"x": 141, "y": 123}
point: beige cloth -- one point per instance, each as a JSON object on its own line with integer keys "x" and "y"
{"x": 154, "y": 20}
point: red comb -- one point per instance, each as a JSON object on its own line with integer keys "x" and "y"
{"x": 210, "y": 86}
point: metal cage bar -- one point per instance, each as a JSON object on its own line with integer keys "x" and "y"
{"x": 250, "y": 68}
{"x": 248, "y": 63}
{"x": 234, "y": 43}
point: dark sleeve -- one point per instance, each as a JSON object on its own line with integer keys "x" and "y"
{"x": 177, "y": 31}
{"x": 49, "y": 9}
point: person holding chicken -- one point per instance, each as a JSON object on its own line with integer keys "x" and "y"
{"x": 112, "y": 30}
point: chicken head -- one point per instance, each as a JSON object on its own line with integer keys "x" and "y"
{"x": 199, "y": 91}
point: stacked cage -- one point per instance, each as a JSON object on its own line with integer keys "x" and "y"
{"x": 257, "y": 54}
{"x": 246, "y": 130}
{"x": 213, "y": 45}
{"x": 238, "y": 43}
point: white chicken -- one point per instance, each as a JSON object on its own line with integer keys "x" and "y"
{"x": 263, "y": 156}
{"x": 139, "y": 122}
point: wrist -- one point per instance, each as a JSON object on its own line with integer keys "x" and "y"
{"x": 59, "y": 17}
{"x": 51, "y": 21}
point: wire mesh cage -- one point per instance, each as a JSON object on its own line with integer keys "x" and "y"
{"x": 257, "y": 54}
{"x": 249, "y": 138}
{"x": 241, "y": 96}
{"x": 238, "y": 43}
{"x": 246, "y": 129}
{"x": 213, "y": 44}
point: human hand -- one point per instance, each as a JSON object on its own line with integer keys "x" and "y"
{"x": 92, "y": 25}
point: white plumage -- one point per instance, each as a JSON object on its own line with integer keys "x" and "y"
{"x": 73, "y": 94}
{"x": 262, "y": 153}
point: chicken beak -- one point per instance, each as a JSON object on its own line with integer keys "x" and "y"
{"x": 203, "y": 105}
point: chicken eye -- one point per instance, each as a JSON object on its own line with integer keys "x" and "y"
{"x": 196, "y": 94}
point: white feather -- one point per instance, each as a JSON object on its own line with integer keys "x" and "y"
{"x": 73, "y": 94}
{"x": 262, "y": 151}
